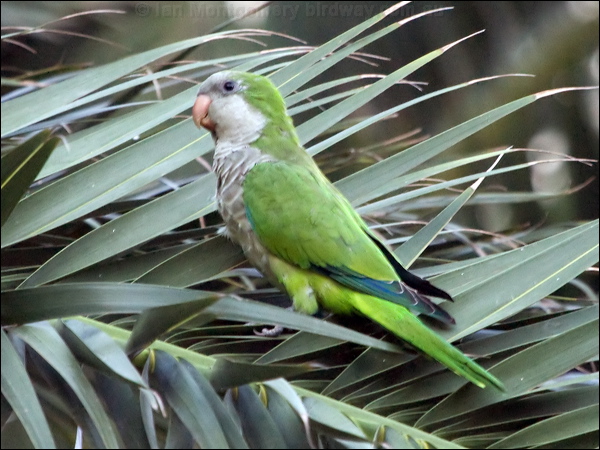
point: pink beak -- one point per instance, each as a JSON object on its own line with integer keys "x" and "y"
{"x": 200, "y": 113}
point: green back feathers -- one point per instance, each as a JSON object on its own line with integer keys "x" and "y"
{"x": 305, "y": 221}
{"x": 278, "y": 137}
{"x": 301, "y": 218}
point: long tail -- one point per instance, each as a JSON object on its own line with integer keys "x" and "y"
{"x": 408, "y": 327}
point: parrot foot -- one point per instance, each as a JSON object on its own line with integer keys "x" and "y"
{"x": 270, "y": 332}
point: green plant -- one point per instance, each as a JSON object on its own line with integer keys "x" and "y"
{"x": 106, "y": 261}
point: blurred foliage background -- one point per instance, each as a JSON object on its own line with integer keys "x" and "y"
{"x": 111, "y": 230}
{"x": 557, "y": 42}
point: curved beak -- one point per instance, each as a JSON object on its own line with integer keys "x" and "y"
{"x": 200, "y": 113}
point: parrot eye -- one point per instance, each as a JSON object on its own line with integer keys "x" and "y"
{"x": 230, "y": 86}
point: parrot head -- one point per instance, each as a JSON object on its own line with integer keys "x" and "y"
{"x": 237, "y": 106}
{"x": 242, "y": 111}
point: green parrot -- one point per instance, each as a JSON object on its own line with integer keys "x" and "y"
{"x": 300, "y": 231}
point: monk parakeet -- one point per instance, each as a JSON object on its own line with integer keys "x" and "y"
{"x": 300, "y": 231}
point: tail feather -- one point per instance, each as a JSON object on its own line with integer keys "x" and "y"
{"x": 406, "y": 326}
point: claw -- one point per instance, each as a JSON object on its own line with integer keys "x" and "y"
{"x": 270, "y": 332}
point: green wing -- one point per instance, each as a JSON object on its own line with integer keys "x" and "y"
{"x": 300, "y": 217}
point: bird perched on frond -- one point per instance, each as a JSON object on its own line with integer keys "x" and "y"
{"x": 300, "y": 231}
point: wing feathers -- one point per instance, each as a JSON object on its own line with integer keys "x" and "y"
{"x": 415, "y": 282}
{"x": 393, "y": 291}
{"x": 301, "y": 218}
